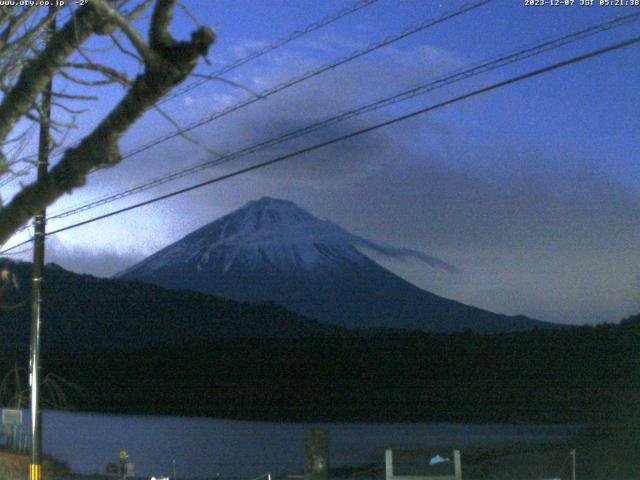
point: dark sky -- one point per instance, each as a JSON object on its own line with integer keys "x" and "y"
{"x": 532, "y": 191}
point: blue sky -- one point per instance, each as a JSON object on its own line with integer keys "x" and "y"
{"x": 531, "y": 190}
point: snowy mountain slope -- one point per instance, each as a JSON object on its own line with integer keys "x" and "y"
{"x": 270, "y": 232}
{"x": 272, "y": 250}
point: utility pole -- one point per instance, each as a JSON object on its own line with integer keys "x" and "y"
{"x": 573, "y": 463}
{"x": 35, "y": 464}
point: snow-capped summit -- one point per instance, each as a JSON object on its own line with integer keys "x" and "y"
{"x": 273, "y": 250}
{"x": 268, "y": 233}
{"x": 259, "y": 220}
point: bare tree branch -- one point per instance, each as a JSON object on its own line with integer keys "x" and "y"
{"x": 35, "y": 76}
{"x": 108, "y": 11}
{"x": 108, "y": 72}
{"x": 168, "y": 64}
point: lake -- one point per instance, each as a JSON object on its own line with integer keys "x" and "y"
{"x": 207, "y": 447}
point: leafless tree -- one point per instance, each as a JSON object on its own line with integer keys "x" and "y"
{"x": 31, "y": 55}
{"x": 14, "y": 390}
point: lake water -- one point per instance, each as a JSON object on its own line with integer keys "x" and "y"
{"x": 207, "y": 447}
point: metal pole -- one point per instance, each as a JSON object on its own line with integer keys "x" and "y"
{"x": 573, "y": 464}
{"x": 35, "y": 469}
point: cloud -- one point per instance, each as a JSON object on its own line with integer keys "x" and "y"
{"x": 99, "y": 262}
{"x": 406, "y": 253}
{"x": 315, "y": 100}
{"x": 534, "y": 228}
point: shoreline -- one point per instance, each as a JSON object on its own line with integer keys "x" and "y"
{"x": 319, "y": 420}
{"x": 523, "y": 460}
{"x": 476, "y": 464}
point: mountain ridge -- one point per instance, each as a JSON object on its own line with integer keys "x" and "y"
{"x": 83, "y": 312}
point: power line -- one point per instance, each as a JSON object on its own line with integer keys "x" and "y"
{"x": 305, "y": 76}
{"x": 362, "y": 131}
{"x": 310, "y": 74}
{"x": 20, "y": 252}
{"x": 277, "y": 44}
{"x": 312, "y": 27}
{"x": 476, "y": 69}
{"x": 315, "y": 72}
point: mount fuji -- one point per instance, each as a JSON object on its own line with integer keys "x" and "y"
{"x": 273, "y": 250}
